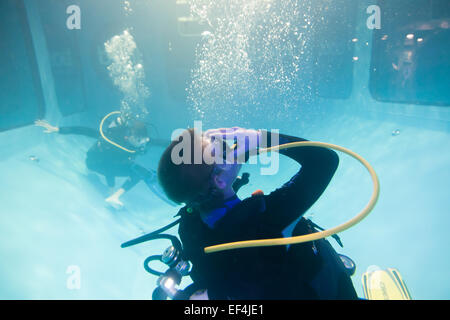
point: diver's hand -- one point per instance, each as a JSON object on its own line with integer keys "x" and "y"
{"x": 247, "y": 140}
{"x": 49, "y": 128}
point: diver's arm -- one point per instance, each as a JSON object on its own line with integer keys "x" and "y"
{"x": 84, "y": 131}
{"x": 296, "y": 196}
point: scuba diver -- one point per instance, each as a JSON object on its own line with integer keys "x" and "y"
{"x": 213, "y": 214}
{"x": 117, "y": 160}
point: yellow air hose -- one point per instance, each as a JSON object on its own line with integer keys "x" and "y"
{"x": 318, "y": 235}
{"x": 112, "y": 142}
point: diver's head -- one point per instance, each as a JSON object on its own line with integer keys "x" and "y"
{"x": 189, "y": 173}
{"x": 138, "y": 134}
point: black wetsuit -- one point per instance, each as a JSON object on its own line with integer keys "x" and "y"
{"x": 111, "y": 161}
{"x": 310, "y": 270}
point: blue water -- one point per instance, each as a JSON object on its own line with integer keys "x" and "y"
{"x": 52, "y": 209}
